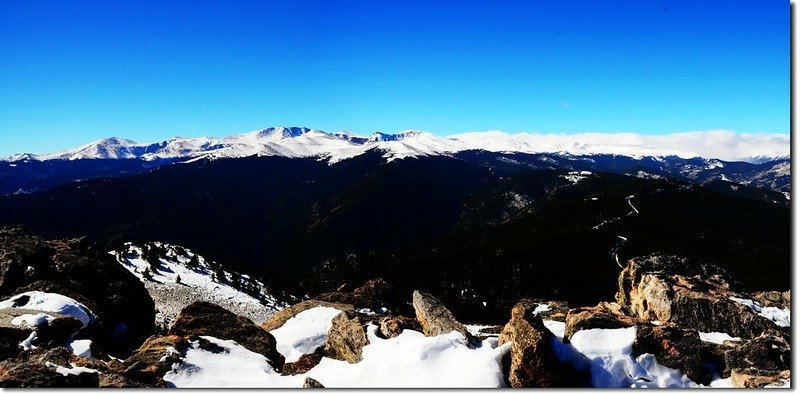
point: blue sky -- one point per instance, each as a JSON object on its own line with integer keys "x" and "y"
{"x": 76, "y": 71}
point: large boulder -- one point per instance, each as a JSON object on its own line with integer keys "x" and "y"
{"x": 346, "y": 338}
{"x": 86, "y": 273}
{"x": 376, "y": 294}
{"x": 434, "y": 317}
{"x": 280, "y": 317}
{"x": 687, "y": 293}
{"x": 603, "y": 316}
{"x": 532, "y": 361}
{"x": 208, "y": 319}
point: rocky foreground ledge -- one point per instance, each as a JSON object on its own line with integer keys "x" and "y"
{"x": 72, "y": 316}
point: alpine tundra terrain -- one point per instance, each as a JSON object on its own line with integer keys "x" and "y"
{"x": 78, "y": 316}
{"x": 291, "y": 257}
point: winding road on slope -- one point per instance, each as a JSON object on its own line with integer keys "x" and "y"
{"x": 614, "y": 252}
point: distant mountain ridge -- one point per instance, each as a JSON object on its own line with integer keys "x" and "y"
{"x": 301, "y": 142}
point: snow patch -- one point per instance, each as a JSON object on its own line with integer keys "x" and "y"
{"x": 81, "y": 348}
{"x": 304, "y": 332}
{"x": 576, "y": 176}
{"x": 780, "y": 317}
{"x": 412, "y": 360}
{"x": 607, "y": 354}
{"x": 56, "y": 303}
{"x": 717, "y": 337}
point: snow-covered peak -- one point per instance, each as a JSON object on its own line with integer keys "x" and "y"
{"x": 107, "y": 148}
{"x": 305, "y": 142}
{"x": 280, "y": 132}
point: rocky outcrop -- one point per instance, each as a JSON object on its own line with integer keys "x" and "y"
{"x": 781, "y": 300}
{"x": 208, "y": 319}
{"x": 39, "y": 368}
{"x": 760, "y": 361}
{"x": 756, "y": 378}
{"x": 434, "y": 317}
{"x": 676, "y": 348}
{"x": 532, "y": 361}
{"x": 346, "y": 338}
{"x": 375, "y": 294}
{"x": 688, "y": 294}
{"x": 49, "y": 333}
{"x": 150, "y": 362}
{"x": 556, "y": 310}
{"x": 86, "y": 273}
{"x": 279, "y": 318}
{"x": 603, "y": 316}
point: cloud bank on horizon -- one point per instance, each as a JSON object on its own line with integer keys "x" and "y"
{"x": 719, "y": 144}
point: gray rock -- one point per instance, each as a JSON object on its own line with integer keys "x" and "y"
{"x": 434, "y": 317}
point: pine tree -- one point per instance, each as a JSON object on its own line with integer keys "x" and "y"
{"x": 193, "y": 263}
{"x": 146, "y": 274}
{"x": 220, "y": 274}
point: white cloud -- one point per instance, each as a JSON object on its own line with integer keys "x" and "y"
{"x": 719, "y": 144}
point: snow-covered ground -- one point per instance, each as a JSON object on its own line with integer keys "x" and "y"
{"x": 196, "y": 284}
{"x": 413, "y": 360}
{"x": 612, "y": 365}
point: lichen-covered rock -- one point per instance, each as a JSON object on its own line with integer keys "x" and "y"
{"x": 154, "y": 359}
{"x": 434, "y": 317}
{"x": 311, "y": 383}
{"x": 346, "y": 339}
{"x": 603, "y": 316}
{"x": 781, "y": 300}
{"x": 688, "y": 294}
{"x": 756, "y": 378}
{"x": 532, "y": 361}
{"x": 676, "y": 348}
{"x": 393, "y": 326}
{"x": 304, "y": 363}
{"x": 208, "y": 319}
{"x": 770, "y": 353}
{"x": 38, "y": 368}
{"x": 280, "y": 317}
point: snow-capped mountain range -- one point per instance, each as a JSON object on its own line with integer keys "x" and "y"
{"x": 298, "y": 142}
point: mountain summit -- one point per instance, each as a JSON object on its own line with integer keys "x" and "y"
{"x": 301, "y": 142}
